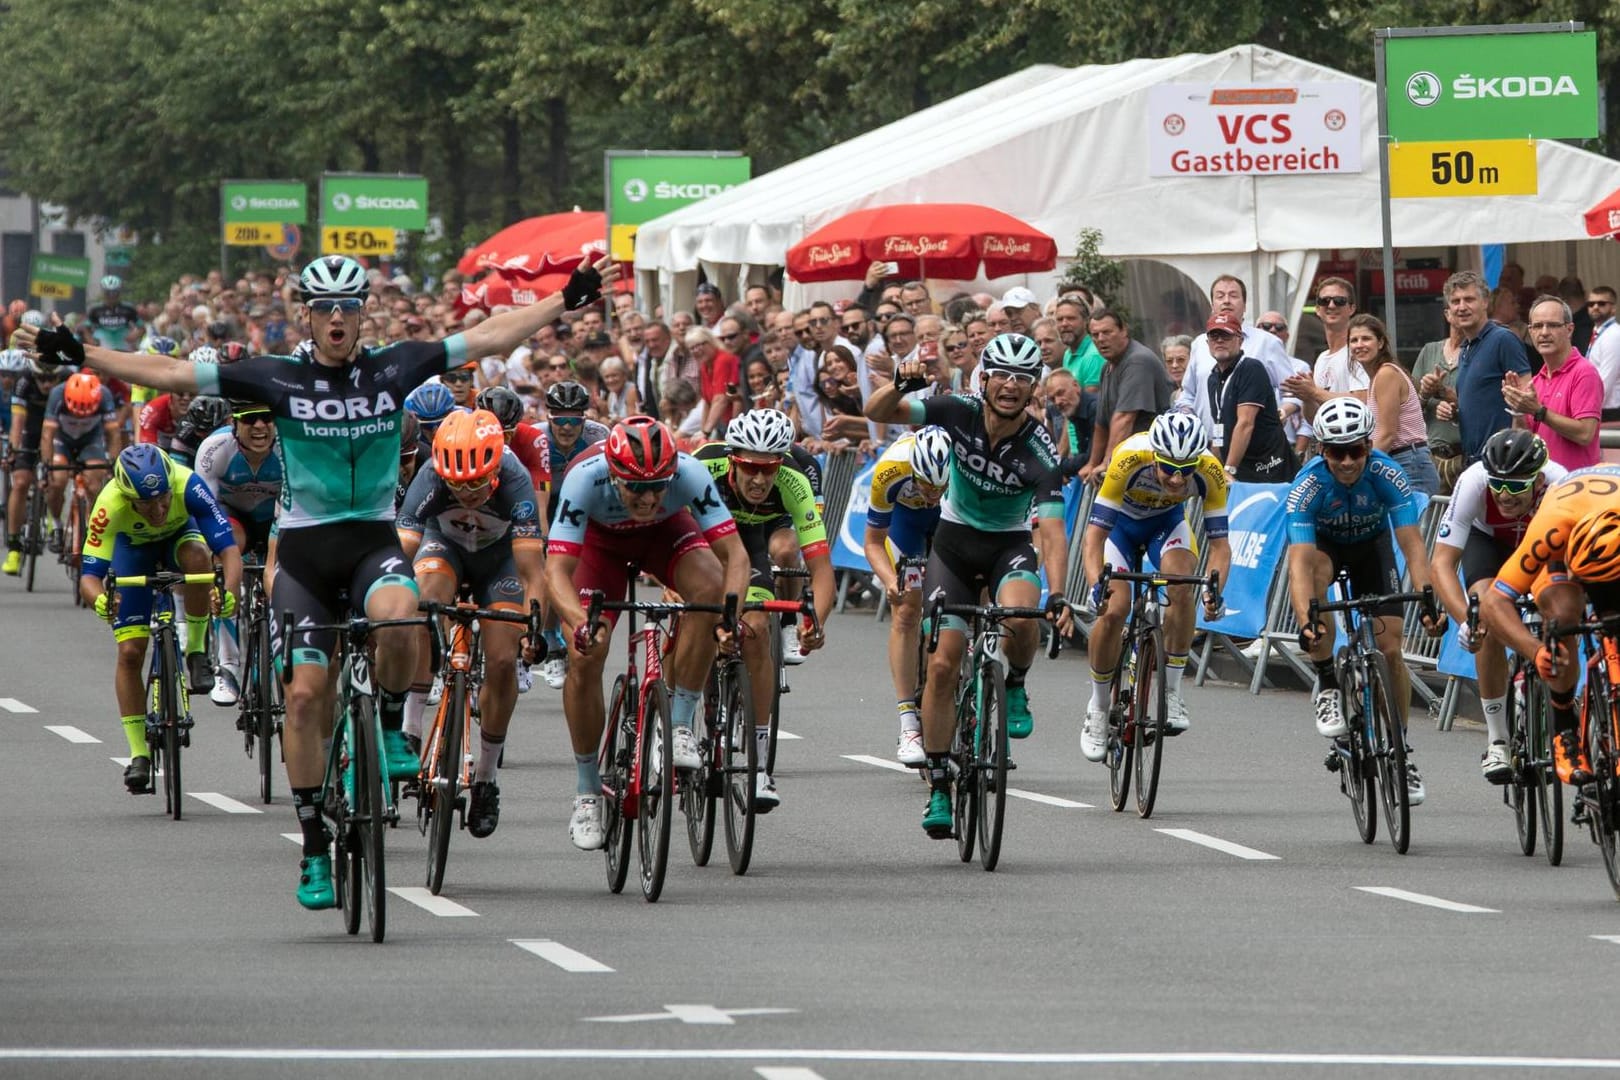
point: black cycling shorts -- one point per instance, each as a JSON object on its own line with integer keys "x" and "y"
{"x": 1372, "y": 569}
{"x": 756, "y": 540}
{"x": 488, "y": 575}
{"x": 966, "y": 560}
{"x": 317, "y": 564}
{"x": 1483, "y": 556}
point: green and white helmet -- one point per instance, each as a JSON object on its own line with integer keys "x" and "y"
{"x": 334, "y": 277}
{"x": 1011, "y": 352}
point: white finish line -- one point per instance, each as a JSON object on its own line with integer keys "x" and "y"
{"x": 71, "y": 733}
{"x": 790, "y": 1072}
{"x": 433, "y": 905}
{"x": 1217, "y": 844}
{"x": 224, "y": 802}
{"x": 555, "y": 952}
{"x": 11, "y": 704}
{"x": 1427, "y": 901}
{"x": 945, "y": 1057}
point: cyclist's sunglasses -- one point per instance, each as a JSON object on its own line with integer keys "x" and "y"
{"x": 646, "y": 487}
{"x": 568, "y": 421}
{"x": 755, "y": 468}
{"x": 1175, "y": 468}
{"x": 327, "y": 306}
{"x": 1502, "y": 485}
{"x": 456, "y": 376}
{"x": 1344, "y": 451}
{"x": 468, "y": 486}
{"x": 253, "y": 419}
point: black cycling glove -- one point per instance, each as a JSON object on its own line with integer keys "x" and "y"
{"x": 584, "y": 287}
{"x": 57, "y": 345}
{"x": 911, "y": 384}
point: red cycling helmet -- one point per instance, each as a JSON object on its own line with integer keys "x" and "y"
{"x": 640, "y": 448}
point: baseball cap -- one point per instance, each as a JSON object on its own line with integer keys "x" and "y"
{"x": 1019, "y": 297}
{"x": 598, "y": 340}
{"x": 1225, "y": 320}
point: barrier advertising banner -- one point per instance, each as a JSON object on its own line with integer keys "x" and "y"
{"x": 1255, "y": 515}
{"x": 848, "y": 546}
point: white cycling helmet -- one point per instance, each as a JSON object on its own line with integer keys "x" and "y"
{"x": 760, "y": 431}
{"x": 931, "y": 456}
{"x": 1178, "y": 436}
{"x": 13, "y": 361}
{"x": 112, "y": 283}
{"x": 204, "y": 354}
{"x": 1011, "y": 352}
{"x": 1343, "y": 420}
{"x": 334, "y": 277}
{"x": 33, "y": 317}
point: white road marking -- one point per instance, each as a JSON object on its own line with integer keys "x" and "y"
{"x": 124, "y": 761}
{"x": 555, "y": 952}
{"x": 1613, "y": 939}
{"x": 789, "y": 736}
{"x": 295, "y": 837}
{"x": 882, "y": 763}
{"x": 931, "y": 1056}
{"x": 434, "y": 905}
{"x": 71, "y": 733}
{"x": 688, "y": 1014}
{"x": 1047, "y": 800}
{"x": 789, "y": 1072}
{"x": 224, "y": 802}
{"x": 1428, "y": 901}
{"x": 1217, "y": 843}
{"x": 11, "y": 704}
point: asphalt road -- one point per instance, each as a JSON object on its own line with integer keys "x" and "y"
{"x": 854, "y": 947}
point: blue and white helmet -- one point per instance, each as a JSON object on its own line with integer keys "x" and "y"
{"x": 931, "y": 456}
{"x": 112, "y": 283}
{"x": 431, "y": 402}
{"x": 1012, "y": 352}
{"x": 1178, "y": 436}
{"x": 334, "y": 277}
{"x": 33, "y": 317}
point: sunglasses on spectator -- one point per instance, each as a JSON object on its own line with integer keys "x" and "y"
{"x": 1272, "y": 327}
{"x": 646, "y": 487}
{"x": 558, "y": 367}
{"x": 820, "y": 321}
{"x": 1344, "y": 451}
{"x": 344, "y": 304}
{"x": 1220, "y": 335}
{"x": 960, "y": 346}
{"x": 456, "y": 376}
{"x": 801, "y": 331}
{"x": 731, "y": 337}
{"x": 755, "y": 468}
{"x": 1506, "y": 485}
{"x": 1600, "y": 303}
{"x": 1175, "y": 468}
{"x": 1332, "y": 301}
{"x": 856, "y": 325}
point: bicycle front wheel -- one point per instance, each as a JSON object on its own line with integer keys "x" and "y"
{"x": 34, "y": 537}
{"x": 699, "y": 796}
{"x": 1390, "y": 748}
{"x": 1549, "y": 792}
{"x": 656, "y": 773}
{"x": 441, "y": 787}
{"x": 172, "y": 714}
{"x": 1122, "y": 735}
{"x": 1151, "y": 716}
{"x": 742, "y": 764}
{"x": 965, "y": 807}
{"x": 1520, "y": 791}
{"x": 779, "y": 673}
{"x": 990, "y": 764}
{"x": 618, "y": 741}
{"x": 268, "y": 703}
{"x": 369, "y": 812}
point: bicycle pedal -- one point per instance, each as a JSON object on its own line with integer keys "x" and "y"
{"x": 1333, "y": 763}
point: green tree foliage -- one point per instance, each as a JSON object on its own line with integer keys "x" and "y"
{"x": 132, "y": 114}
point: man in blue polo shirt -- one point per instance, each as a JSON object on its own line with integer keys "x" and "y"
{"x": 1489, "y": 352}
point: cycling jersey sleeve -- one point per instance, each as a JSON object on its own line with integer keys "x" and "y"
{"x": 213, "y": 456}
{"x": 99, "y": 536}
{"x": 695, "y": 487}
{"x": 417, "y": 507}
{"x": 1303, "y": 500}
{"x": 55, "y": 401}
{"x": 1467, "y": 506}
{"x": 518, "y": 503}
{"x": 155, "y": 416}
{"x": 806, "y": 462}
{"x": 1216, "y": 490}
{"x": 1389, "y": 481}
{"x": 942, "y": 409}
{"x": 209, "y": 515}
{"x": 887, "y": 478}
{"x": 800, "y": 502}
{"x": 574, "y": 494}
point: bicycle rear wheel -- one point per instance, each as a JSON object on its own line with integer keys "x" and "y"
{"x": 1520, "y": 791}
{"x": 34, "y": 533}
{"x": 1390, "y": 748}
{"x": 1549, "y": 792}
{"x": 699, "y": 792}
{"x": 742, "y": 764}
{"x": 169, "y": 692}
{"x": 78, "y": 512}
{"x": 613, "y": 761}
{"x": 1151, "y": 712}
{"x": 266, "y": 727}
{"x": 965, "y": 807}
{"x": 440, "y": 788}
{"x": 656, "y": 773}
{"x": 1602, "y": 751}
{"x": 371, "y": 826}
{"x": 990, "y": 766}
{"x": 1122, "y": 735}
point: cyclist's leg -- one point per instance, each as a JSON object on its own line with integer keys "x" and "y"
{"x": 130, "y": 631}
{"x": 1481, "y": 558}
{"x": 696, "y": 573}
{"x": 1323, "y": 564}
{"x": 950, "y": 578}
{"x": 1178, "y": 554}
{"x": 601, "y": 567}
{"x": 95, "y": 473}
{"x": 438, "y": 571}
{"x": 382, "y": 584}
{"x": 1562, "y": 601}
{"x": 909, "y": 536}
{"x": 227, "y": 642}
{"x": 190, "y": 554}
{"x": 62, "y": 454}
{"x": 1122, "y": 550}
{"x": 784, "y": 551}
{"x": 762, "y": 675}
{"x": 493, "y": 576}
{"x": 1015, "y": 583}
{"x": 1373, "y": 571}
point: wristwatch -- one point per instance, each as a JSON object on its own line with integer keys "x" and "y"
{"x": 1541, "y": 415}
{"x": 1231, "y": 470}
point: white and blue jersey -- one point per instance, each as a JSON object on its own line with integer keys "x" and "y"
{"x": 249, "y": 494}
{"x": 1319, "y": 507}
{"x": 588, "y": 496}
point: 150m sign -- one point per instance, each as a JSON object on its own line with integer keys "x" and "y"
{"x": 1436, "y": 170}
{"x": 357, "y": 241}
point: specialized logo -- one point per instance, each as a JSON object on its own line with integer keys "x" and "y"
{"x": 1423, "y": 89}
{"x": 635, "y": 190}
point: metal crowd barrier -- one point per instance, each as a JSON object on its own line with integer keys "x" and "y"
{"x": 837, "y": 483}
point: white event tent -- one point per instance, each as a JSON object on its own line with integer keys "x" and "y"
{"x": 1067, "y": 148}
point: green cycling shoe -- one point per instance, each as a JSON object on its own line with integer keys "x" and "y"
{"x": 937, "y": 818}
{"x": 400, "y": 760}
{"x": 315, "y": 890}
{"x": 1019, "y": 722}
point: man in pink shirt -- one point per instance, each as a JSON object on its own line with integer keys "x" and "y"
{"x": 1563, "y": 401}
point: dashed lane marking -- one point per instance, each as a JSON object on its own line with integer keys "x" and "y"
{"x": 71, "y": 733}
{"x": 434, "y": 905}
{"x": 786, "y": 1072}
{"x": 1047, "y": 800}
{"x": 555, "y": 952}
{"x": 11, "y": 704}
{"x": 882, "y": 763}
{"x": 224, "y": 802}
{"x": 1426, "y": 901}
{"x": 1217, "y": 844}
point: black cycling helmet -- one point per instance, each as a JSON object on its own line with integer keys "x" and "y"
{"x": 1514, "y": 452}
{"x": 568, "y": 397}
{"x": 207, "y": 413}
{"x": 504, "y": 402}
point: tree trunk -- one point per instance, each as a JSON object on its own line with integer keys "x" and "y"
{"x": 455, "y": 167}
{"x": 557, "y": 170}
{"x": 512, "y": 169}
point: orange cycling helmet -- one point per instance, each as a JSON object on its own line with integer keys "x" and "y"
{"x": 1593, "y": 553}
{"x": 82, "y": 392}
{"x": 640, "y": 448}
{"x": 468, "y": 446}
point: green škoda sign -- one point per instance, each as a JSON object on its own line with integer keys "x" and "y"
{"x": 385, "y": 202}
{"x": 1492, "y": 86}
{"x": 642, "y": 186}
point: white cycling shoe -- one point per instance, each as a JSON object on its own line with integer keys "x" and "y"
{"x": 585, "y": 826}
{"x": 1094, "y": 735}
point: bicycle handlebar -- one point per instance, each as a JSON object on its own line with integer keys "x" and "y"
{"x": 466, "y": 613}
{"x": 800, "y": 572}
{"x": 1363, "y": 603}
{"x": 990, "y": 613}
{"x": 805, "y": 605}
{"x": 163, "y": 579}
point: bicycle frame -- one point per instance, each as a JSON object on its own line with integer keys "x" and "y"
{"x": 1597, "y": 804}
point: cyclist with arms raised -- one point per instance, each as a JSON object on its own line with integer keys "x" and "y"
{"x": 338, "y": 419}
{"x": 1004, "y": 465}
{"x": 1339, "y": 515}
{"x": 1142, "y": 508}
{"x": 637, "y": 502}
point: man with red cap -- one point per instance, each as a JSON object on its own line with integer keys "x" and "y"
{"x": 1244, "y": 406}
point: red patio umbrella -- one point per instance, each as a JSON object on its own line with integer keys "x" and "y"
{"x": 541, "y": 245}
{"x": 1604, "y": 218}
{"x": 947, "y": 240}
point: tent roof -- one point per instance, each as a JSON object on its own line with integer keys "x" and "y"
{"x": 1066, "y": 148}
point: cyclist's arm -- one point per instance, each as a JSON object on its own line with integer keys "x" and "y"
{"x": 1501, "y": 617}
{"x": 19, "y": 425}
{"x": 1447, "y": 587}
{"x": 824, "y": 582}
{"x": 729, "y": 547}
{"x": 529, "y": 557}
{"x": 1417, "y": 557}
{"x": 504, "y": 332}
{"x": 876, "y": 548}
{"x": 47, "y": 437}
{"x": 1301, "y": 579}
{"x": 159, "y": 372}
{"x": 1054, "y": 543}
{"x": 1220, "y": 559}
{"x": 112, "y": 433}
{"x": 561, "y": 596}
{"x": 216, "y": 530}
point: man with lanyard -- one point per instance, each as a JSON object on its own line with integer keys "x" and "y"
{"x": 471, "y": 520}
{"x": 568, "y": 435}
{"x": 902, "y": 512}
{"x": 1141, "y": 509}
{"x": 1244, "y": 406}
{"x": 635, "y": 501}
{"x": 154, "y": 515}
{"x": 1340, "y": 512}
{"x": 81, "y": 428}
{"x": 115, "y": 324}
{"x": 1490, "y": 509}
{"x": 756, "y": 472}
{"x": 29, "y": 396}
{"x": 1004, "y": 466}
{"x": 1569, "y": 558}
{"x": 245, "y": 476}
{"x": 338, "y": 420}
